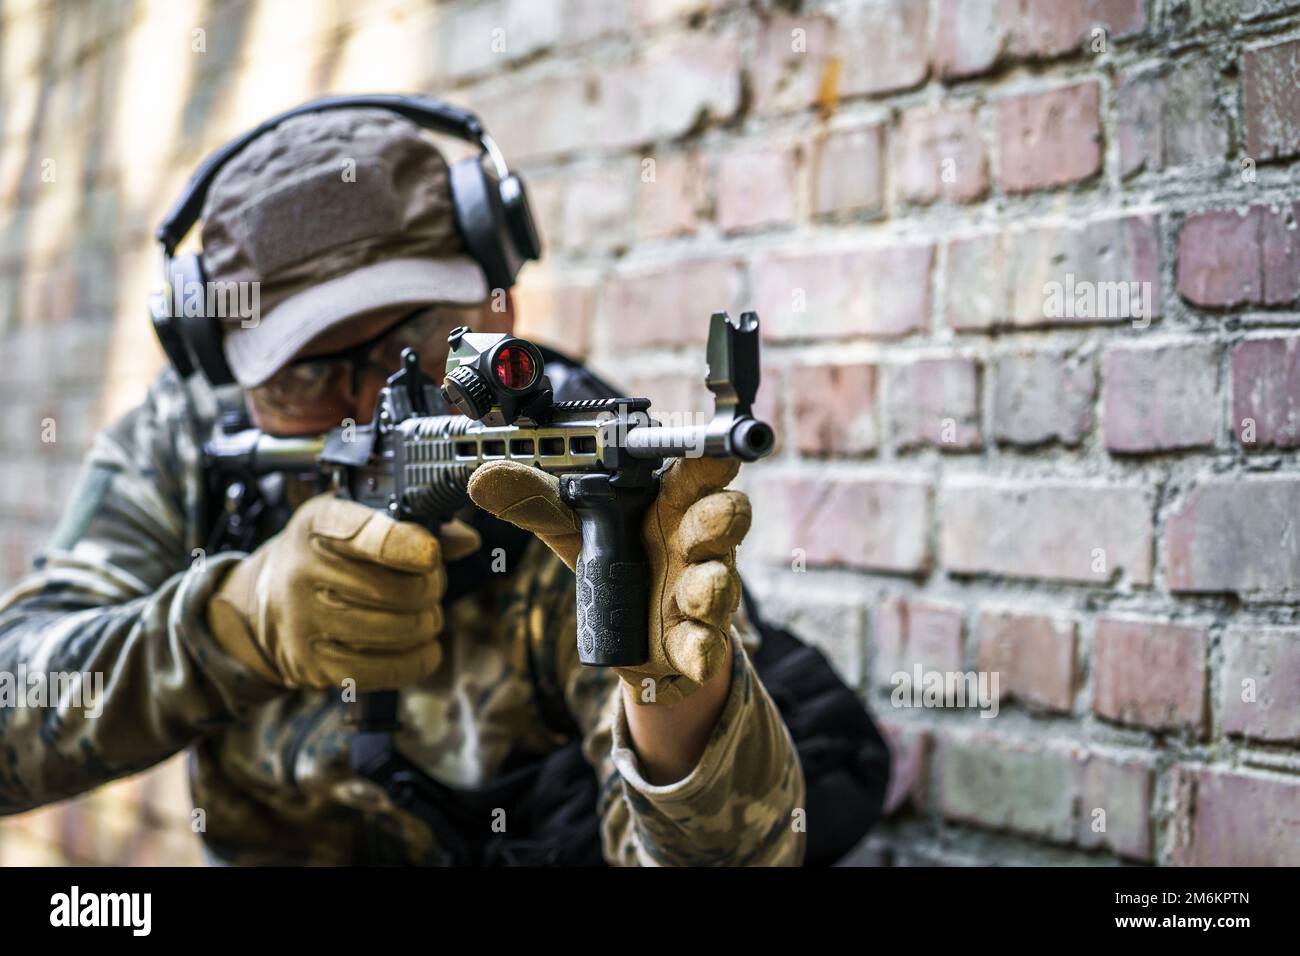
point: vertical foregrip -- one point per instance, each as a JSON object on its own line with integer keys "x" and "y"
{"x": 613, "y": 573}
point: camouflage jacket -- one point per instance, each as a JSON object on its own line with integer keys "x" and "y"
{"x": 121, "y": 591}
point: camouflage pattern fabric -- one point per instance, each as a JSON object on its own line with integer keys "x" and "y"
{"x": 121, "y": 590}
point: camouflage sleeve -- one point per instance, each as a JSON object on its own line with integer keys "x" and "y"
{"x": 740, "y": 806}
{"x": 106, "y": 665}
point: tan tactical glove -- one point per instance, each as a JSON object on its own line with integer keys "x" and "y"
{"x": 344, "y": 591}
{"x": 690, "y": 533}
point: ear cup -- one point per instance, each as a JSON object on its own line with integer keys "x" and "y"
{"x": 483, "y": 222}
{"x": 167, "y": 327}
{"x": 519, "y": 218}
{"x": 200, "y": 332}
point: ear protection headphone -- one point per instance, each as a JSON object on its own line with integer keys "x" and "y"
{"x": 490, "y": 203}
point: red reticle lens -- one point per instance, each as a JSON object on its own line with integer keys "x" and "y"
{"x": 514, "y": 367}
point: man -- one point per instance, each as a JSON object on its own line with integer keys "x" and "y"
{"x": 242, "y": 656}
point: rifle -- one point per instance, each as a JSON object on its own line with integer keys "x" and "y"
{"x": 607, "y": 453}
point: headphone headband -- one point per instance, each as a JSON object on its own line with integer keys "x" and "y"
{"x": 429, "y": 113}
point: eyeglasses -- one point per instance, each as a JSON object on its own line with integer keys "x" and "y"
{"x": 322, "y": 385}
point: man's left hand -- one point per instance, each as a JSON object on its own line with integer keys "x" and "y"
{"x": 690, "y": 532}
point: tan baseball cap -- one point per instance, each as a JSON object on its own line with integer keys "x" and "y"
{"x": 335, "y": 215}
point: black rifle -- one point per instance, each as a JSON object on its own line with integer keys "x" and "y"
{"x": 607, "y": 453}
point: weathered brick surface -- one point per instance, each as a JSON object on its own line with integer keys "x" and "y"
{"x": 1234, "y": 818}
{"x": 1240, "y": 256}
{"x": 909, "y": 749}
{"x": 673, "y": 196}
{"x": 1049, "y": 530}
{"x": 1170, "y": 118}
{"x": 1149, "y": 673}
{"x": 1261, "y": 683}
{"x": 835, "y": 407}
{"x": 909, "y": 634}
{"x": 872, "y": 523}
{"x": 1266, "y": 392}
{"x": 1049, "y": 139}
{"x": 1236, "y": 535}
{"x": 757, "y": 187}
{"x": 1009, "y": 277}
{"x": 877, "y": 292}
{"x": 1041, "y": 397}
{"x": 933, "y": 402}
{"x": 1156, "y": 399}
{"x": 1034, "y": 656}
{"x": 847, "y": 172}
{"x": 974, "y": 34}
{"x": 1115, "y": 795}
{"x": 1271, "y": 98}
{"x": 938, "y": 154}
{"x": 1047, "y": 789}
{"x": 673, "y": 302}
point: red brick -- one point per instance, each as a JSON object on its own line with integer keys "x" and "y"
{"x": 1271, "y": 100}
{"x": 938, "y": 154}
{"x": 1046, "y": 529}
{"x": 1266, "y": 392}
{"x": 881, "y": 292}
{"x": 1149, "y": 673}
{"x": 757, "y": 187}
{"x": 680, "y": 80}
{"x": 1218, "y": 258}
{"x": 1162, "y": 398}
{"x": 552, "y": 115}
{"x": 598, "y": 203}
{"x": 1279, "y": 241}
{"x": 970, "y": 37}
{"x": 1120, "y": 787}
{"x": 1236, "y": 535}
{"x": 835, "y": 409}
{"x": 1033, "y": 655}
{"x": 662, "y": 94}
{"x": 879, "y": 524}
{"x": 909, "y": 749}
{"x": 1261, "y": 683}
{"x": 673, "y": 199}
{"x": 796, "y": 63}
{"x": 1049, "y": 139}
{"x": 847, "y": 170}
{"x": 1234, "y": 818}
{"x": 900, "y": 63}
{"x": 1027, "y": 787}
{"x": 974, "y": 34}
{"x": 1007, "y": 278}
{"x": 1234, "y": 257}
{"x": 910, "y": 633}
{"x": 1045, "y": 28}
{"x": 933, "y": 402}
{"x": 1039, "y": 397}
{"x": 669, "y": 304}
{"x": 557, "y": 311}
{"x": 1170, "y": 118}
{"x": 833, "y": 60}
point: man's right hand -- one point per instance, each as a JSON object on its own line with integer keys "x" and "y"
{"x": 344, "y": 591}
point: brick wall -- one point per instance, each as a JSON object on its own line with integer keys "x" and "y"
{"x": 987, "y": 463}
